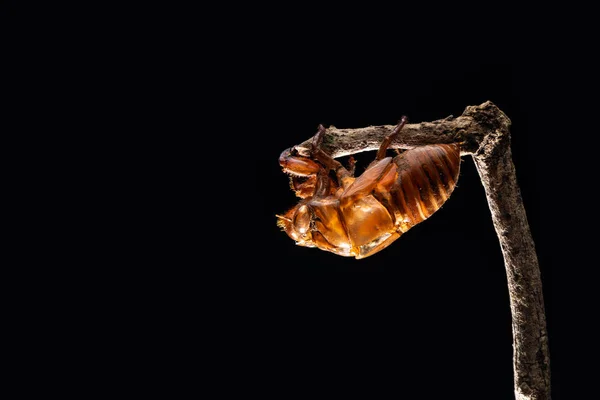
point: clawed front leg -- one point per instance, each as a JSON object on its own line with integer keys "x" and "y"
{"x": 296, "y": 165}
{"x": 316, "y": 168}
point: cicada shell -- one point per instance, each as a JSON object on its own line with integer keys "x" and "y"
{"x": 358, "y": 217}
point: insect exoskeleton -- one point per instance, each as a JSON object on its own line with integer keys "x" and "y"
{"x": 358, "y": 217}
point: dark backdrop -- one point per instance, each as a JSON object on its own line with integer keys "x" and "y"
{"x": 199, "y": 289}
{"x": 431, "y": 310}
{"x": 429, "y": 316}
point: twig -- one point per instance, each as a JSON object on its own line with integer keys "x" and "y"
{"x": 484, "y": 132}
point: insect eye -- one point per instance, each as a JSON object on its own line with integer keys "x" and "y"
{"x": 302, "y": 220}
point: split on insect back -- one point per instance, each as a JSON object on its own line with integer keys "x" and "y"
{"x": 359, "y": 216}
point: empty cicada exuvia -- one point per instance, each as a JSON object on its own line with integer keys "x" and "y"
{"x": 358, "y": 217}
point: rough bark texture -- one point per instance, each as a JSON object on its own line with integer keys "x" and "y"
{"x": 530, "y": 340}
{"x": 470, "y": 128}
{"x": 484, "y": 131}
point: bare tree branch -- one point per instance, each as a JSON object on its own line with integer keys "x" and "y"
{"x": 484, "y": 132}
{"x": 470, "y": 128}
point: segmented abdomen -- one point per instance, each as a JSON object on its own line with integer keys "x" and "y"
{"x": 424, "y": 179}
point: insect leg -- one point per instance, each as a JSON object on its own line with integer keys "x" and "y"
{"x": 344, "y": 176}
{"x": 388, "y": 140}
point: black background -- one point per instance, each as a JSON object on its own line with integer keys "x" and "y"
{"x": 432, "y": 309}
{"x": 197, "y": 282}
{"x": 429, "y": 316}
